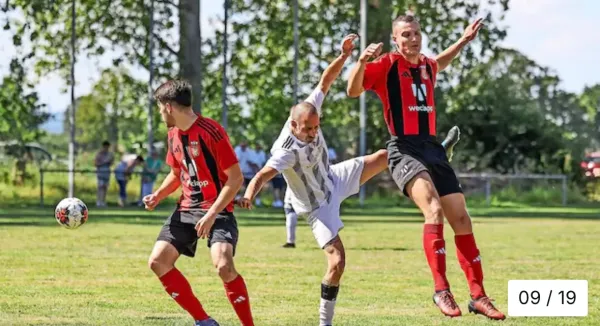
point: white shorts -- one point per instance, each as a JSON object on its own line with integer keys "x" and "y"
{"x": 325, "y": 221}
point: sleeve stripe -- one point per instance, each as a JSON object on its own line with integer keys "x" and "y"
{"x": 212, "y": 130}
{"x": 287, "y": 144}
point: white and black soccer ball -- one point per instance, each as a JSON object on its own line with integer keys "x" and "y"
{"x": 71, "y": 213}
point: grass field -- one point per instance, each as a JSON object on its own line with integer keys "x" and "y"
{"x": 98, "y": 275}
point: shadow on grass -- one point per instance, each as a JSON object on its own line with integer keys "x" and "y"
{"x": 243, "y": 220}
{"x": 560, "y": 213}
{"x": 162, "y": 318}
{"x": 274, "y": 217}
{"x": 379, "y": 248}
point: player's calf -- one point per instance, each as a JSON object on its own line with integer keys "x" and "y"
{"x": 234, "y": 284}
{"x": 336, "y": 263}
{"x": 222, "y": 257}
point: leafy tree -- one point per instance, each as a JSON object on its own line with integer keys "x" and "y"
{"x": 20, "y": 117}
{"x": 515, "y": 118}
{"x": 262, "y": 62}
{"x": 590, "y": 100}
{"x": 118, "y": 25}
{"x": 115, "y": 111}
{"x": 20, "y": 111}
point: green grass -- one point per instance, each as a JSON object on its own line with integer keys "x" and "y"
{"x": 98, "y": 275}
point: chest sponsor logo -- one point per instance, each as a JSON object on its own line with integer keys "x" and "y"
{"x": 197, "y": 183}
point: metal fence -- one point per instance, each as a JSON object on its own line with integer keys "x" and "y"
{"x": 485, "y": 182}
{"x": 43, "y": 171}
{"x": 482, "y": 184}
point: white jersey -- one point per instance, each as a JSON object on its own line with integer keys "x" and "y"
{"x": 305, "y": 166}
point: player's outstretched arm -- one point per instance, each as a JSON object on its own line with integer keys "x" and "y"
{"x": 168, "y": 186}
{"x": 334, "y": 69}
{"x": 445, "y": 58}
{"x": 357, "y": 75}
{"x": 260, "y": 179}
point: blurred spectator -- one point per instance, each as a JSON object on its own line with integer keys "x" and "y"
{"x": 332, "y": 155}
{"x": 260, "y": 157}
{"x": 104, "y": 159}
{"x": 123, "y": 173}
{"x": 279, "y": 185}
{"x": 246, "y": 158}
{"x": 152, "y": 167}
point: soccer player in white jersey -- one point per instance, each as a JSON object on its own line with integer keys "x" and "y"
{"x": 317, "y": 188}
{"x": 291, "y": 220}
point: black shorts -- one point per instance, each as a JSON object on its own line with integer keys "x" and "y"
{"x": 407, "y": 158}
{"x": 179, "y": 230}
{"x": 247, "y": 181}
{"x": 278, "y": 182}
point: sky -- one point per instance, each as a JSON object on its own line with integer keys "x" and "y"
{"x": 560, "y": 34}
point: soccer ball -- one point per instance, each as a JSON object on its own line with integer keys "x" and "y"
{"x": 71, "y": 213}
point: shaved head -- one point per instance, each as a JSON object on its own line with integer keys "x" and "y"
{"x": 305, "y": 121}
{"x": 303, "y": 110}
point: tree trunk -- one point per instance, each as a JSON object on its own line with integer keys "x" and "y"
{"x": 190, "y": 45}
{"x": 379, "y": 23}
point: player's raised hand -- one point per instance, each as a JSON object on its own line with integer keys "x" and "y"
{"x": 244, "y": 203}
{"x": 204, "y": 226}
{"x": 348, "y": 44}
{"x": 150, "y": 201}
{"x": 372, "y": 51}
{"x": 471, "y": 30}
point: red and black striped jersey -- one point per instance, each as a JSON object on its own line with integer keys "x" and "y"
{"x": 203, "y": 153}
{"x": 406, "y": 91}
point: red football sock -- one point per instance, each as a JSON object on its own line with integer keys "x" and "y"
{"x": 179, "y": 289}
{"x": 470, "y": 262}
{"x": 435, "y": 251}
{"x": 238, "y": 296}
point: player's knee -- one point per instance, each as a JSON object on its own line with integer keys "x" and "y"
{"x": 382, "y": 154}
{"x": 225, "y": 269}
{"x": 337, "y": 265}
{"x": 435, "y": 215}
{"x": 157, "y": 266}
{"x": 462, "y": 223}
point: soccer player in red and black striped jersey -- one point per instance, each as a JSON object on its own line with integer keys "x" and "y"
{"x": 404, "y": 80}
{"x": 204, "y": 164}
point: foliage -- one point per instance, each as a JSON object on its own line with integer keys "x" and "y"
{"x": 512, "y": 112}
{"x": 20, "y": 111}
{"x": 115, "y": 110}
{"x": 100, "y": 26}
{"x": 262, "y": 64}
{"x": 518, "y": 118}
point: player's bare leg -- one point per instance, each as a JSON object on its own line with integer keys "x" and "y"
{"x": 162, "y": 263}
{"x": 455, "y": 210}
{"x": 336, "y": 262}
{"x": 422, "y": 191}
{"x": 373, "y": 165}
{"x": 235, "y": 287}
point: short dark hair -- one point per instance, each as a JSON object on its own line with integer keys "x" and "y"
{"x": 404, "y": 19}
{"x": 178, "y": 91}
{"x": 105, "y": 143}
{"x": 139, "y": 158}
